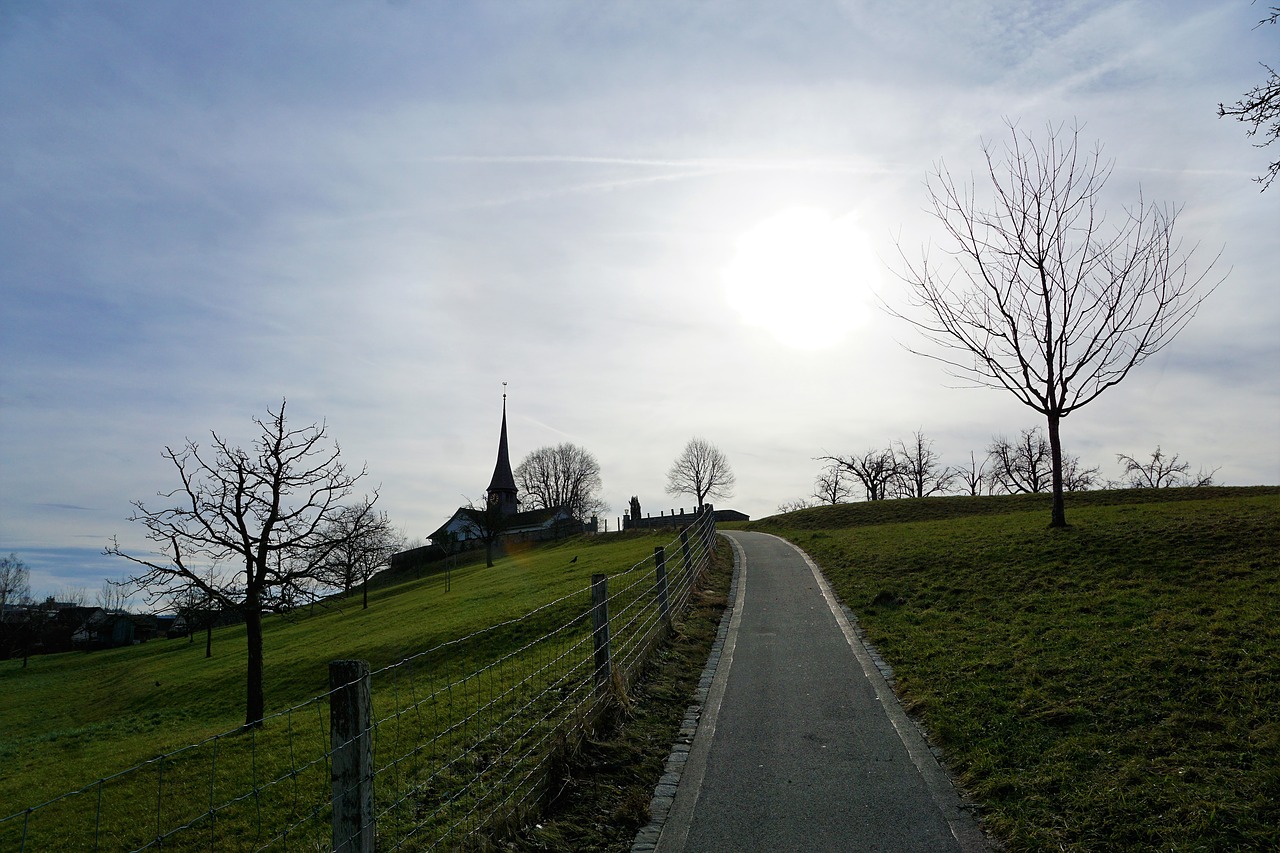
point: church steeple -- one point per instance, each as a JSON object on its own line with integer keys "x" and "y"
{"x": 502, "y": 488}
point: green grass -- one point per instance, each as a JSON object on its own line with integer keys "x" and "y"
{"x": 1114, "y": 685}
{"x": 67, "y": 720}
{"x": 602, "y": 800}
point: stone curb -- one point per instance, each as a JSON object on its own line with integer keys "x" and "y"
{"x": 664, "y": 794}
{"x": 881, "y": 663}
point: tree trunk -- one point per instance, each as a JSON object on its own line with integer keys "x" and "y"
{"x": 254, "y": 702}
{"x": 364, "y": 588}
{"x": 208, "y": 637}
{"x": 1055, "y": 450}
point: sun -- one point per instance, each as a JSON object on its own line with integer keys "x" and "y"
{"x": 804, "y": 276}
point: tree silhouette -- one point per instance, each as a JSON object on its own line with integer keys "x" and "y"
{"x": 562, "y": 476}
{"x": 260, "y": 509}
{"x": 1260, "y": 107}
{"x": 1041, "y": 297}
{"x": 701, "y": 471}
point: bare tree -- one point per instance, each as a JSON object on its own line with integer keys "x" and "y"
{"x": 833, "y": 484}
{"x": 794, "y": 505}
{"x": 1078, "y": 477}
{"x": 75, "y": 596}
{"x": 15, "y": 589}
{"x": 876, "y": 470}
{"x": 197, "y": 608}
{"x": 185, "y": 603}
{"x": 974, "y": 476}
{"x": 15, "y": 582}
{"x": 1025, "y": 466}
{"x": 920, "y": 471}
{"x": 258, "y": 508}
{"x": 365, "y": 542}
{"x": 1161, "y": 471}
{"x": 1261, "y": 106}
{"x": 1043, "y": 299}
{"x": 562, "y": 476}
{"x": 1021, "y": 466}
{"x": 112, "y": 596}
{"x": 701, "y": 471}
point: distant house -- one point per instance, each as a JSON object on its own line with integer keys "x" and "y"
{"x": 103, "y": 629}
{"x": 146, "y": 626}
{"x": 167, "y": 625}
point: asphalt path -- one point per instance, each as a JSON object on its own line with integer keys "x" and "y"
{"x": 802, "y": 744}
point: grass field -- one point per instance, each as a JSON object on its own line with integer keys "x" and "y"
{"x": 1111, "y": 686}
{"x": 66, "y": 720}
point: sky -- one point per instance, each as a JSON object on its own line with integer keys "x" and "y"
{"x": 651, "y": 220}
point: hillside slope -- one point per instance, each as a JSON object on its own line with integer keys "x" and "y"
{"x": 66, "y": 720}
{"x": 1114, "y": 685}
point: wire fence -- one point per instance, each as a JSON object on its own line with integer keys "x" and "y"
{"x": 458, "y": 745}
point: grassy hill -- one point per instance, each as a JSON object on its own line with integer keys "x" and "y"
{"x": 69, "y": 719}
{"x": 1114, "y": 685}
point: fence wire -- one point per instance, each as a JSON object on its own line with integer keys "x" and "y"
{"x": 467, "y": 737}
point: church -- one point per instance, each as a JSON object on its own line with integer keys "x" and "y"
{"x": 501, "y": 519}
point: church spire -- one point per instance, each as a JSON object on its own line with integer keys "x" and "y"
{"x": 502, "y": 488}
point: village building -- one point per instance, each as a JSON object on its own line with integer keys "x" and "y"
{"x": 500, "y": 519}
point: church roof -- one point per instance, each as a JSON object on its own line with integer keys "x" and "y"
{"x": 503, "y": 480}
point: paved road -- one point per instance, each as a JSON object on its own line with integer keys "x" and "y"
{"x": 801, "y": 745}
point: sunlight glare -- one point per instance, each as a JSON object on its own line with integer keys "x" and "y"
{"x": 803, "y": 276}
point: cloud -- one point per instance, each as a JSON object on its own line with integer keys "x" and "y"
{"x": 384, "y": 212}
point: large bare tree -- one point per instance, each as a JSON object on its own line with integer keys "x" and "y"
{"x": 701, "y": 471}
{"x": 1041, "y": 296}
{"x": 261, "y": 510}
{"x": 562, "y": 476}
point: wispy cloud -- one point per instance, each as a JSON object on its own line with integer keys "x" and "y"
{"x": 382, "y": 215}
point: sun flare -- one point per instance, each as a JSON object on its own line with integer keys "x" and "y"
{"x": 804, "y": 276}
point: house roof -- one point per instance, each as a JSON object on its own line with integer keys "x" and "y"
{"x": 519, "y": 522}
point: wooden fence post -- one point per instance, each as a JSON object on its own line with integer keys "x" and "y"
{"x": 664, "y": 603}
{"x": 600, "y": 630}
{"x": 684, "y": 552}
{"x": 351, "y": 745}
{"x": 709, "y": 533}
